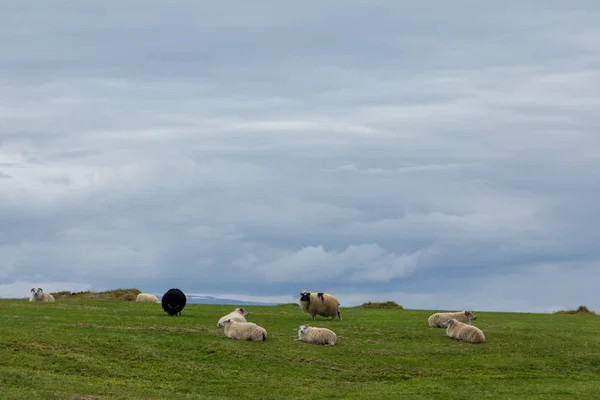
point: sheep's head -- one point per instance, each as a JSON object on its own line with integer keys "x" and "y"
{"x": 305, "y": 296}
{"x": 37, "y": 292}
{"x": 448, "y": 323}
{"x": 225, "y": 323}
{"x": 303, "y": 329}
{"x": 243, "y": 311}
{"x": 470, "y": 315}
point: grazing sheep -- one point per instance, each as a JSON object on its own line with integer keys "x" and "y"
{"x": 437, "y": 320}
{"x": 244, "y": 330}
{"x": 39, "y": 295}
{"x": 323, "y": 304}
{"x": 461, "y": 331}
{"x": 311, "y": 334}
{"x": 239, "y": 315}
{"x": 173, "y": 301}
{"x": 146, "y": 298}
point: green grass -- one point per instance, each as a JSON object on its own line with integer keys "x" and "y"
{"x": 111, "y": 349}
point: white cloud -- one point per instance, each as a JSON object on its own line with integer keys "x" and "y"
{"x": 364, "y": 262}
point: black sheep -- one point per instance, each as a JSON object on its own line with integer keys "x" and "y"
{"x": 173, "y": 301}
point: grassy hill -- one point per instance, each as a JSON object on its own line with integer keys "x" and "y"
{"x": 114, "y": 349}
{"x": 118, "y": 294}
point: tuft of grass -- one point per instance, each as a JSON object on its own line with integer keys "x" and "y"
{"x": 117, "y": 294}
{"x": 114, "y": 349}
{"x": 581, "y": 310}
{"x": 387, "y": 304}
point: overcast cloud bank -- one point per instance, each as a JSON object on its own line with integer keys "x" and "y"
{"x": 443, "y": 156}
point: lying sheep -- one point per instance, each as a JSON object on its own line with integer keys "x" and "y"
{"x": 437, "y": 320}
{"x": 461, "y": 331}
{"x": 146, "y": 298}
{"x": 239, "y": 315}
{"x": 311, "y": 334}
{"x": 173, "y": 301}
{"x": 244, "y": 330}
{"x": 322, "y": 304}
{"x": 39, "y": 295}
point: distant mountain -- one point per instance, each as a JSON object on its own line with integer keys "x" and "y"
{"x": 191, "y": 299}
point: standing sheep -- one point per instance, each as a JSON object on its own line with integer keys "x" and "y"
{"x": 173, "y": 301}
{"x": 311, "y": 334}
{"x": 323, "y": 304}
{"x": 437, "y": 320}
{"x": 461, "y": 331}
{"x": 146, "y": 298}
{"x": 239, "y": 315}
{"x": 39, "y": 295}
{"x": 244, "y": 330}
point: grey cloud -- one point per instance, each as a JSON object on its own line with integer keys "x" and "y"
{"x": 373, "y": 148}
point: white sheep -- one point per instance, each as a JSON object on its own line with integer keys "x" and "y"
{"x": 239, "y": 315}
{"x": 437, "y": 320}
{"x": 39, "y": 295}
{"x": 461, "y": 331}
{"x": 244, "y": 330}
{"x": 311, "y": 334}
{"x": 147, "y": 298}
{"x": 323, "y": 304}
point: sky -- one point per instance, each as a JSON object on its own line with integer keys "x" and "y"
{"x": 443, "y": 155}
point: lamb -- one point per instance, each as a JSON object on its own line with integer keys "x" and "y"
{"x": 147, "y": 298}
{"x": 437, "y": 320}
{"x": 323, "y": 304}
{"x": 461, "y": 331}
{"x": 311, "y": 334}
{"x": 239, "y": 315}
{"x": 39, "y": 295}
{"x": 173, "y": 301}
{"x": 244, "y": 330}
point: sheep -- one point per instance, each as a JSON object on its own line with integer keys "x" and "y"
{"x": 173, "y": 301}
{"x": 311, "y": 334}
{"x": 146, "y": 298}
{"x": 461, "y": 331}
{"x": 437, "y": 320}
{"x": 239, "y": 315}
{"x": 244, "y": 330}
{"x": 323, "y": 304}
{"x": 39, "y": 295}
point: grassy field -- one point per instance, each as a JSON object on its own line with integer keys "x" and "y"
{"x": 115, "y": 349}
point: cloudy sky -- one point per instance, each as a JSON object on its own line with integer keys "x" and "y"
{"x": 444, "y": 155}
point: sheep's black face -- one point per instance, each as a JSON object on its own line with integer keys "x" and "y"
{"x": 174, "y": 309}
{"x": 305, "y": 296}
